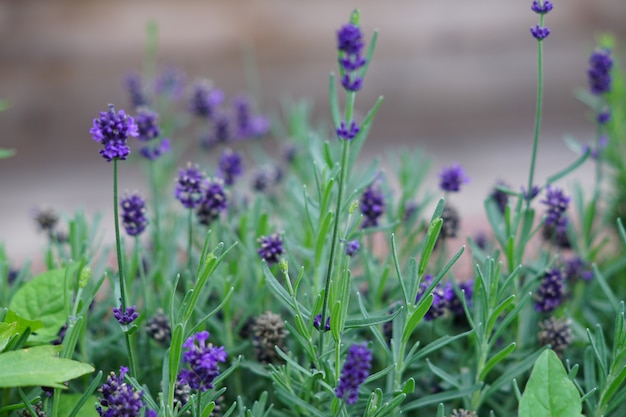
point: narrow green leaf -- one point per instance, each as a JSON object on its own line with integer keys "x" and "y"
{"x": 549, "y": 392}
{"x": 431, "y": 238}
{"x": 495, "y": 359}
{"x": 354, "y": 323}
{"x": 334, "y": 101}
{"x": 39, "y": 366}
{"x": 6, "y": 153}
{"x": 416, "y": 317}
{"x": 562, "y": 173}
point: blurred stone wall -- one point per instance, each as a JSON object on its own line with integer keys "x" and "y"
{"x": 458, "y": 78}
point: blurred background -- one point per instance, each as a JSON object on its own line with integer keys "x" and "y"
{"x": 459, "y": 80}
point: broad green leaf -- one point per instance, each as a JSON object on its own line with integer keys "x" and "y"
{"x": 43, "y": 298}
{"x": 69, "y": 401}
{"x": 7, "y": 331}
{"x": 39, "y": 366}
{"x": 549, "y": 391}
{"x": 6, "y": 153}
{"x": 22, "y": 323}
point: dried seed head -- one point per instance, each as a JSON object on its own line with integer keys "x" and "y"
{"x": 269, "y": 331}
{"x": 557, "y": 333}
{"x": 158, "y": 328}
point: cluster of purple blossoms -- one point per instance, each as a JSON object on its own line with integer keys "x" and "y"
{"x": 440, "y": 298}
{"x": 551, "y": 291}
{"x": 134, "y": 217}
{"x": 149, "y": 132}
{"x": 603, "y": 117}
{"x": 451, "y": 178}
{"x": 594, "y": 152}
{"x": 317, "y": 322}
{"x": 220, "y": 131}
{"x": 372, "y": 206}
{"x": 205, "y": 99}
{"x": 248, "y": 125}
{"x": 576, "y": 268}
{"x": 557, "y": 204}
{"x": 190, "y": 186}
{"x": 500, "y": 197}
{"x": 170, "y": 82}
{"x": 347, "y": 133}
{"x": 530, "y": 195}
{"x": 352, "y": 247}
{"x": 599, "y": 72}
{"x": 119, "y": 398}
{"x": 455, "y": 304}
{"x": 355, "y": 371}
{"x": 230, "y": 166}
{"x": 127, "y": 316}
{"x": 271, "y": 248}
{"x": 135, "y": 88}
{"x": 112, "y": 130}
{"x": 214, "y": 202}
{"x": 350, "y": 45}
{"x": 541, "y": 7}
{"x": 203, "y": 360}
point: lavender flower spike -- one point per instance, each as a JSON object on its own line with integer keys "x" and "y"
{"x": 542, "y": 8}
{"x": 271, "y": 248}
{"x": 599, "y": 72}
{"x": 190, "y": 186}
{"x": 112, "y": 130}
{"x": 372, "y": 206}
{"x": 355, "y": 371}
{"x": 134, "y": 217}
{"x": 230, "y": 166}
{"x": 350, "y": 45}
{"x": 203, "y": 362}
{"x": 451, "y": 178}
{"x": 119, "y": 398}
{"x": 551, "y": 291}
{"x": 540, "y": 32}
{"x": 125, "y": 317}
{"x": 215, "y": 201}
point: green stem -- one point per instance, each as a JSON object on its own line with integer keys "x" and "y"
{"x": 537, "y": 114}
{"x": 155, "y": 204}
{"x": 190, "y": 241}
{"x": 118, "y": 243}
{"x": 345, "y": 148}
{"x": 120, "y": 267}
{"x": 199, "y": 403}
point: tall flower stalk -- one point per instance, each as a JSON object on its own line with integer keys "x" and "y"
{"x": 112, "y": 130}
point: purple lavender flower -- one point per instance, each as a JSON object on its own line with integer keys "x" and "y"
{"x": 112, "y": 130}
{"x": 147, "y": 124}
{"x": 271, "y": 248}
{"x": 170, "y": 82}
{"x": 530, "y": 195}
{"x": 409, "y": 210}
{"x": 451, "y": 178}
{"x": 594, "y": 152}
{"x": 153, "y": 152}
{"x": 190, "y": 186}
{"x": 541, "y": 8}
{"x": 203, "y": 362}
{"x": 539, "y": 32}
{"x": 345, "y": 133}
{"x": 205, "y": 99}
{"x": 355, "y": 371}
{"x": 214, "y": 202}
{"x": 266, "y": 177}
{"x": 440, "y": 302}
{"x": 352, "y": 247}
{"x": 127, "y": 316}
{"x": 372, "y": 206}
{"x": 134, "y": 217}
{"x": 119, "y": 398}
{"x": 500, "y": 197}
{"x": 317, "y": 322}
{"x": 455, "y": 304}
{"x": 576, "y": 268}
{"x": 230, "y": 166}
{"x": 350, "y": 45}
{"x": 134, "y": 86}
{"x": 599, "y": 72}
{"x": 551, "y": 291}
{"x": 557, "y": 204}
{"x": 603, "y": 117}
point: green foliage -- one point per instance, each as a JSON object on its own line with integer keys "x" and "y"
{"x": 549, "y": 391}
{"x": 38, "y": 366}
